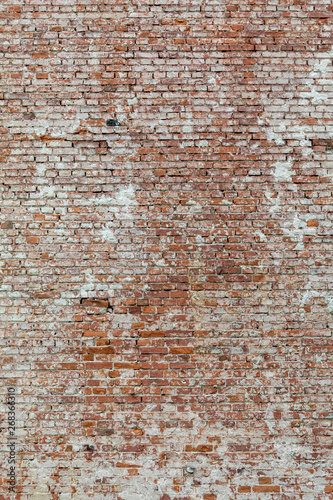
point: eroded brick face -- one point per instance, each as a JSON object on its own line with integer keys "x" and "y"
{"x": 166, "y": 285}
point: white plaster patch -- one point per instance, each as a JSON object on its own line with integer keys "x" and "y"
{"x": 300, "y": 133}
{"x": 46, "y": 191}
{"x": 313, "y": 95}
{"x": 160, "y": 263}
{"x": 121, "y": 204}
{"x": 273, "y": 132}
{"x": 141, "y": 490}
{"x": 41, "y": 169}
{"x": 89, "y": 283}
{"x": 58, "y": 129}
{"x": 311, "y": 294}
{"x": 320, "y": 67}
{"x": 108, "y": 235}
{"x": 190, "y": 207}
{"x": 297, "y": 232}
{"x": 101, "y": 200}
{"x": 273, "y": 136}
{"x": 125, "y": 197}
{"x": 283, "y": 171}
{"x": 274, "y": 201}
{"x": 287, "y": 450}
{"x": 220, "y": 93}
{"x": 320, "y": 70}
{"x": 261, "y": 235}
{"x": 269, "y": 419}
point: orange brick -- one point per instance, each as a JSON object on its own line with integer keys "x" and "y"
{"x": 265, "y": 480}
{"x": 244, "y": 489}
{"x": 266, "y": 489}
{"x": 32, "y": 239}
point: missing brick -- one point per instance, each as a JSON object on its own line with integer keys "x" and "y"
{"x": 29, "y": 115}
{"x": 113, "y": 123}
{"x": 88, "y": 447}
{"x": 110, "y": 87}
{"x": 100, "y": 303}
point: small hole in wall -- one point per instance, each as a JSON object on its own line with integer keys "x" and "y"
{"x": 113, "y": 123}
{"x": 88, "y": 447}
{"x": 102, "y": 303}
{"x": 29, "y": 115}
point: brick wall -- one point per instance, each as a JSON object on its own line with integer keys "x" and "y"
{"x": 166, "y": 290}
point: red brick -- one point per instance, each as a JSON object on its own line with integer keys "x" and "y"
{"x": 95, "y": 302}
{"x": 165, "y": 222}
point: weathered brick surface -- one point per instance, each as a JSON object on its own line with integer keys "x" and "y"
{"x": 166, "y": 237}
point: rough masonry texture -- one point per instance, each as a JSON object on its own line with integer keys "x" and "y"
{"x": 166, "y": 290}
